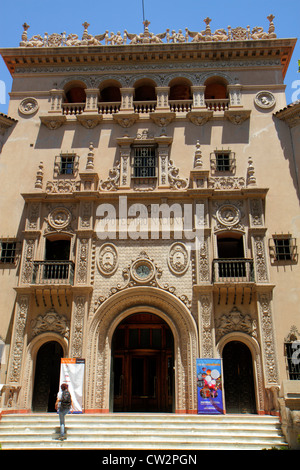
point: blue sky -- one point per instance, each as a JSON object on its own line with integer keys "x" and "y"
{"x": 117, "y": 15}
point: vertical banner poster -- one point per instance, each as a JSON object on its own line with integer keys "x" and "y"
{"x": 209, "y": 386}
{"x": 72, "y": 373}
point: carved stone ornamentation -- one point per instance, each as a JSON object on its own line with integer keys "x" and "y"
{"x": 236, "y": 321}
{"x": 265, "y": 100}
{"x": 82, "y": 264}
{"x": 175, "y": 181}
{"x": 113, "y": 180}
{"x": 178, "y": 259}
{"x": 18, "y": 340}
{"x": 77, "y": 328}
{"x": 116, "y": 39}
{"x": 268, "y": 339}
{"x": 28, "y": 106}
{"x": 143, "y": 271}
{"x": 51, "y": 321}
{"x": 59, "y": 218}
{"x": 229, "y": 216}
{"x": 107, "y": 260}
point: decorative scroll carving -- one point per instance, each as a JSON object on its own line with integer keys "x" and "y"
{"x": 113, "y": 180}
{"x": 174, "y": 179}
{"x": 51, "y": 321}
{"x": 231, "y": 34}
{"x": 62, "y": 186}
{"x": 227, "y": 182}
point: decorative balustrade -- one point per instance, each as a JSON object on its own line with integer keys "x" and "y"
{"x": 53, "y": 272}
{"x": 233, "y": 270}
{"x": 72, "y": 108}
{"x": 217, "y": 105}
{"x": 180, "y": 106}
{"x": 144, "y": 107}
{"x": 109, "y": 107}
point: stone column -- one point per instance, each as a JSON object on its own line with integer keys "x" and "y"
{"x": 56, "y": 98}
{"x": 235, "y": 96}
{"x": 162, "y": 93}
{"x": 92, "y": 96}
{"x": 198, "y": 97}
{"x": 127, "y": 99}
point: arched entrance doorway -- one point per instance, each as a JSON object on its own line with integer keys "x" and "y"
{"x": 46, "y": 381}
{"x": 238, "y": 378}
{"x": 142, "y": 365}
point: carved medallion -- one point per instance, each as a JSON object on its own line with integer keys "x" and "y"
{"x": 107, "y": 260}
{"x": 28, "y": 106}
{"x": 228, "y": 216}
{"x": 59, "y": 218}
{"x": 265, "y": 99}
{"x": 178, "y": 259}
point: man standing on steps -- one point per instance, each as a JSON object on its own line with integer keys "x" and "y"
{"x": 63, "y": 405}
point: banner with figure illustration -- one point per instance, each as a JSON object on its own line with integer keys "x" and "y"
{"x": 209, "y": 386}
{"x": 72, "y": 374}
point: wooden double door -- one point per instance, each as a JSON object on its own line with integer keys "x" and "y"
{"x": 142, "y": 365}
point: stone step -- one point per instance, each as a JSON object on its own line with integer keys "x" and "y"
{"x": 147, "y": 431}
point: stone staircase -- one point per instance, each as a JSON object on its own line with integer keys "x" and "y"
{"x": 141, "y": 432}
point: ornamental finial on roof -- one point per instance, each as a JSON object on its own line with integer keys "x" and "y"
{"x": 220, "y": 35}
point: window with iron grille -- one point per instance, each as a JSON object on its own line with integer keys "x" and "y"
{"x": 66, "y": 164}
{"x": 222, "y": 161}
{"x": 283, "y": 248}
{"x": 292, "y": 351}
{"x": 144, "y": 162}
{"x": 8, "y": 252}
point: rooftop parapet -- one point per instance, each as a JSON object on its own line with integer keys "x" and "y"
{"x": 223, "y": 35}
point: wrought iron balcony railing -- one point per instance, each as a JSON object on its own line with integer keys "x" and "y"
{"x": 53, "y": 272}
{"x": 233, "y": 270}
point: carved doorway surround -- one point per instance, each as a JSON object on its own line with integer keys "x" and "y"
{"x": 103, "y": 325}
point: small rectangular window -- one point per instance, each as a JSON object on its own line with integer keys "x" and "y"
{"x": 222, "y": 161}
{"x": 8, "y": 252}
{"x": 283, "y": 248}
{"x": 66, "y": 164}
{"x": 292, "y": 355}
{"x": 144, "y": 162}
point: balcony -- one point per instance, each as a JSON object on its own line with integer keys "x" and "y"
{"x": 229, "y": 271}
{"x": 53, "y": 272}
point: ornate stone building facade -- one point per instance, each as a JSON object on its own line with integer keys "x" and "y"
{"x": 149, "y": 217}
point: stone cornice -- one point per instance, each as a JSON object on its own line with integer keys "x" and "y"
{"x": 86, "y": 56}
